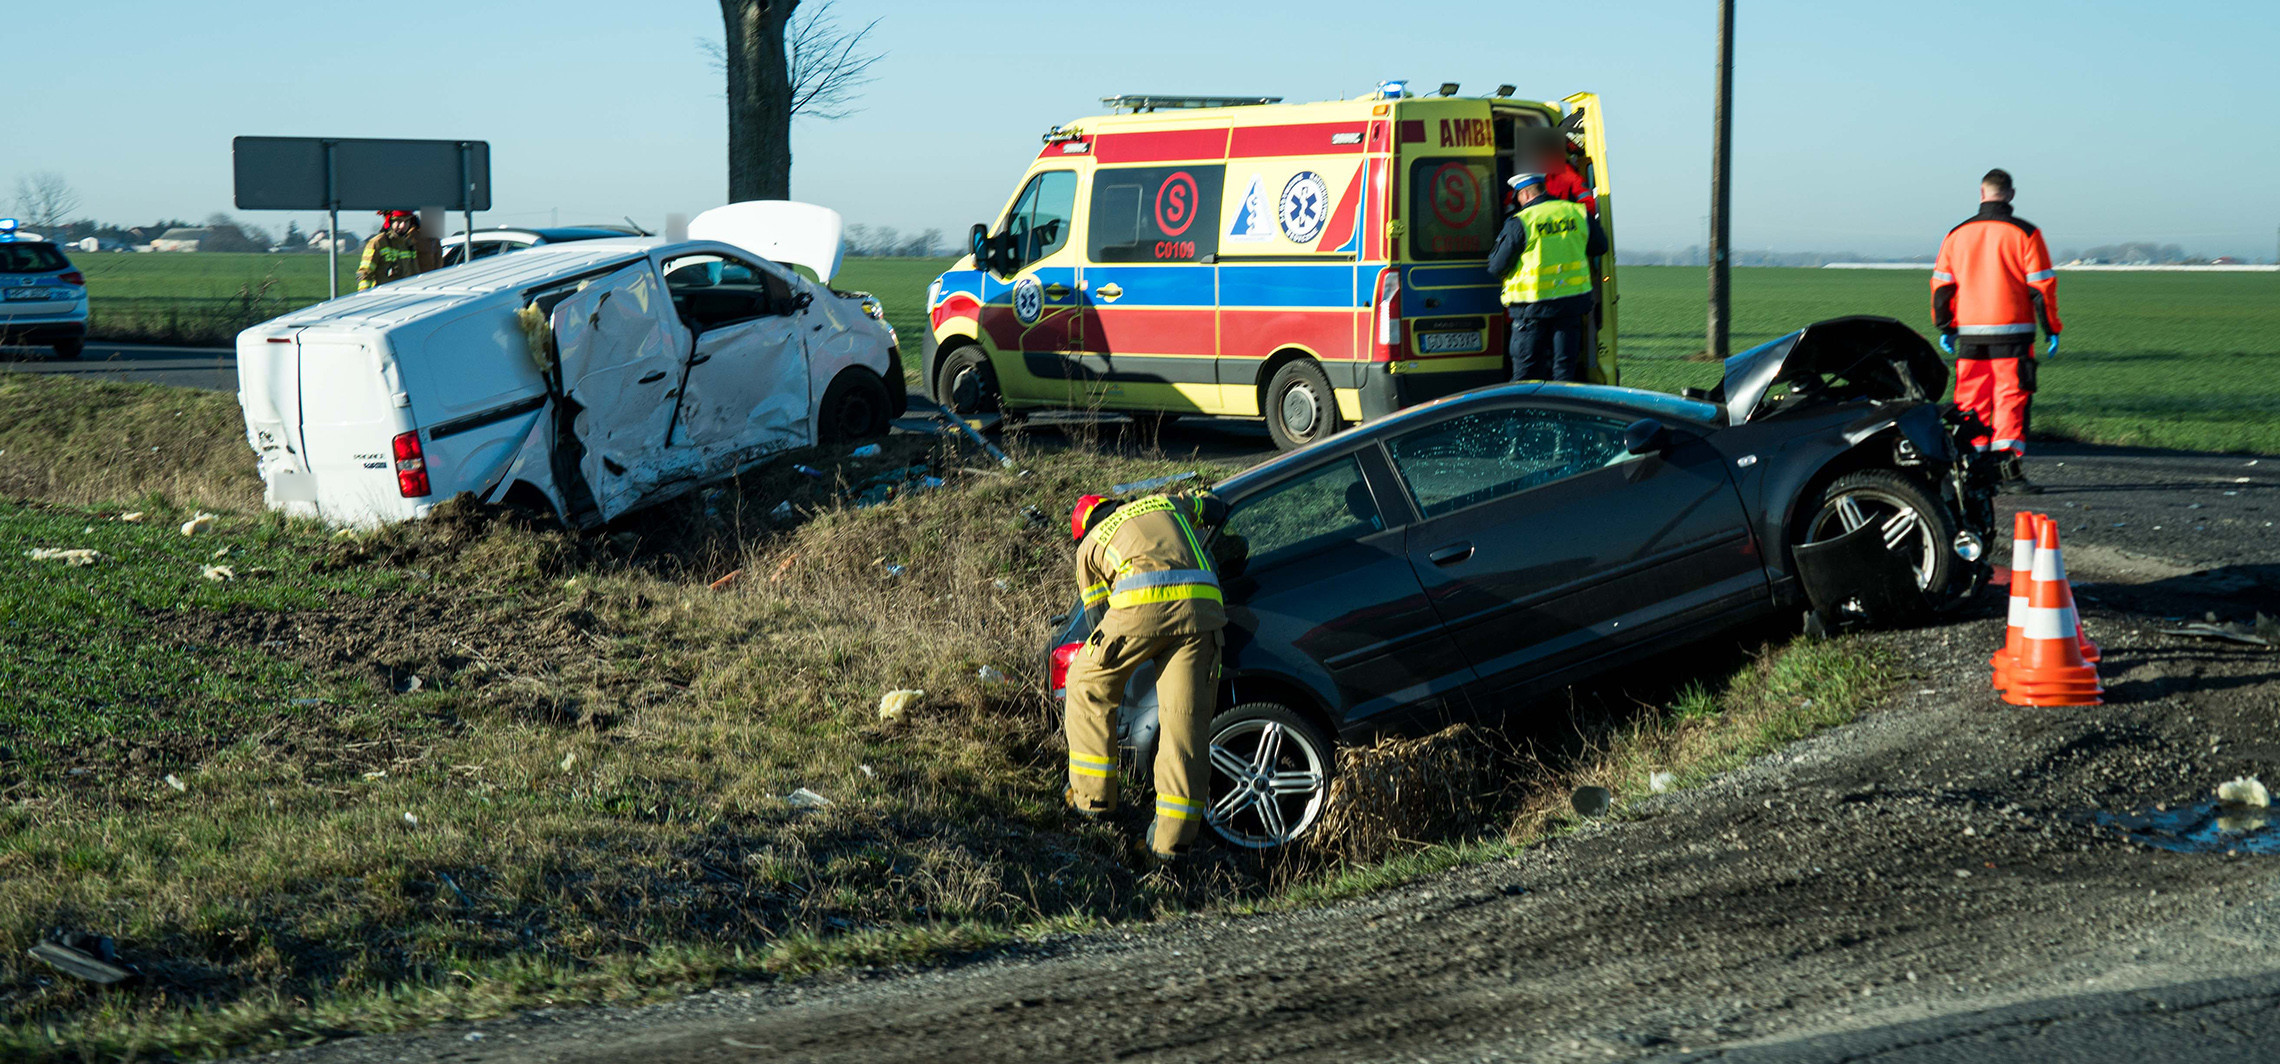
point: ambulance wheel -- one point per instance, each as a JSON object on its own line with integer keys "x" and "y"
{"x": 1300, "y": 406}
{"x": 1270, "y": 775}
{"x": 68, "y": 349}
{"x": 854, "y": 406}
{"x": 967, "y": 384}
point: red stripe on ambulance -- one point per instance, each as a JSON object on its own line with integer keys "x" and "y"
{"x": 1313, "y": 138}
{"x": 1259, "y": 333}
{"x": 1174, "y": 145}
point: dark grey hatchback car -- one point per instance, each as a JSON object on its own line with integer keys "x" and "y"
{"x": 1460, "y": 558}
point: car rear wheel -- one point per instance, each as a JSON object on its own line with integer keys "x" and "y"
{"x": 854, "y": 406}
{"x": 1300, "y": 406}
{"x": 1914, "y": 525}
{"x": 68, "y": 349}
{"x": 967, "y": 384}
{"x": 1270, "y": 775}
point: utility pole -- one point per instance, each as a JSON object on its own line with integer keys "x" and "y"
{"x": 1721, "y": 176}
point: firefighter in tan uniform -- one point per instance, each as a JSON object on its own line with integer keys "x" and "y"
{"x": 397, "y": 251}
{"x": 1145, "y": 561}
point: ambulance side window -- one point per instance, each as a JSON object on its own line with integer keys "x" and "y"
{"x": 1040, "y": 220}
{"x": 1154, "y": 214}
{"x": 1455, "y": 207}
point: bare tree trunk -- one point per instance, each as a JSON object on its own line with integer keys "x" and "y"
{"x": 759, "y": 99}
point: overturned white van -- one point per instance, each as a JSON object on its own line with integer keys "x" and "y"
{"x": 590, "y": 379}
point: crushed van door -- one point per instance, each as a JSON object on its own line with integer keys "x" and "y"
{"x": 621, "y": 367}
{"x": 748, "y": 391}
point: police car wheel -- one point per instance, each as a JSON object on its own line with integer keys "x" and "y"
{"x": 967, "y": 383}
{"x": 1270, "y": 775}
{"x": 68, "y": 349}
{"x": 1300, "y": 406}
{"x": 854, "y": 406}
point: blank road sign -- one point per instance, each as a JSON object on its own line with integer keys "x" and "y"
{"x": 289, "y": 173}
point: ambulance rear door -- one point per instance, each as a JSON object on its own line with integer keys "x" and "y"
{"x": 1586, "y": 127}
{"x": 1032, "y": 321}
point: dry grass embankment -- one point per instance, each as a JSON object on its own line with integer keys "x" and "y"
{"x": 479, "y": 763}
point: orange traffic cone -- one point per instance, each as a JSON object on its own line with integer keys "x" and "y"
{"x": 2049, "y": 671}
{"x": 2022, "y": 574}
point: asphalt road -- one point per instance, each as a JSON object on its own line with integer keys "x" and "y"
{"x": 186, "y": 367}
{"x": 1924, "y": 885}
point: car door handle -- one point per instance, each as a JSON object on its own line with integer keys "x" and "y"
{"x": 1056, "y": 290}
{"x": 1109, "y": 291}
{"x": 652, "y": 378}
{"x": 1451, "y": 554}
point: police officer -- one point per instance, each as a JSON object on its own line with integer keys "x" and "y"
{"x": 1544, "y": 255}
{"x": 396, "y": 251}
{"x": 1993, "y": 284}
{"x": 1145, "y": 561}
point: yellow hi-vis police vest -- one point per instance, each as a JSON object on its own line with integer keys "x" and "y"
{"x": 1553, "y": 263}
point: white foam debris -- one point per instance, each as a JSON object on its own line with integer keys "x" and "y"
{"x": 894, "y": 704}
{"x": 219, "y": 573}
{"x": 2244, "y": 791}
{"x": 77, "y": 557}
{"x": 198, "y": 525}
{"x": 1660, "y": 782}
{"x": 134, "y": 517}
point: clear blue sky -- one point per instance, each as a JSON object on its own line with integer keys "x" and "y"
{"x": 1859, "y": 126}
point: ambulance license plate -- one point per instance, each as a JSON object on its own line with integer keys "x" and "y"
{"x": 1440, "y": 343}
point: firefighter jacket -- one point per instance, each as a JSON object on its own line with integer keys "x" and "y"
{"x": 1994, "y": 281}
{"x": 1147, "y": 563}
{"x": 393, "y": 256}
{"x": 1544, "y": 252}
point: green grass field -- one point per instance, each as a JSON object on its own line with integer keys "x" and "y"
{"x": 2152, "y": 359}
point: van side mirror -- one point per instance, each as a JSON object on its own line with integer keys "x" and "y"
{"x": 978, "y": 242}
{"x": 1645, "y": 436}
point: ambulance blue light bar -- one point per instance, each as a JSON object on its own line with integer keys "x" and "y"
{"x": 1392, "y": 90}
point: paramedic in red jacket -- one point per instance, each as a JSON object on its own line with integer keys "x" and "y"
{"x": 1993, "y": 285}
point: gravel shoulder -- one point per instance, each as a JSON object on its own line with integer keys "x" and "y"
{"x": 1927, "y": 883}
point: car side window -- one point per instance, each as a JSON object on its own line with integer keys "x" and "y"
{"x": 1473, "y": 458}
{"x": 710, "y": 291}
{"x": 1041, "y": 218}
{"x": 1315, "y": 510}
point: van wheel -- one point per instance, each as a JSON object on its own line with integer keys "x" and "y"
{"x": 1300, "y": 406}
{"x": 854, "y": 406}
{"x": 967, "y": 384}
{"x": 68, "y": 349}
{"x": 1270, "y": 775}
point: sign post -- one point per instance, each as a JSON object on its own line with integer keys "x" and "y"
{"x": 356, "y": 173}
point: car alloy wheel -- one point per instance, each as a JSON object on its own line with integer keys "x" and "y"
{"x": 1270, "y": 776}
{"x": 1902, "y": 514}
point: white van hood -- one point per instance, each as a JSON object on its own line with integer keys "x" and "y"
{"x": 802, "y": 234}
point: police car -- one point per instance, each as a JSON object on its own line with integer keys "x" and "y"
{"x": 43, "y": 297}
{"x": 1315, "y": 264}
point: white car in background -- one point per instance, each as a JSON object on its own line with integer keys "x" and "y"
{"x": 590, "y": 378}
{"x": 489, "y": 242}
{"x": 43, "y": 297}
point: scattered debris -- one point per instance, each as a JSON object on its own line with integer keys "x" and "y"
{"x": 782, "y": 511}
{"x": 1035, "y": 517}
{"x": 569, "y": 759}
{"x": 1660, "y": 782}
{"x": 895, "y": 570}
{"x": 1002, "y": 584}
{"x": 218, "y": 573}
{"x": 894, "y": 704}
{"x": 987, "y": 674}
{"x": 2263, "y": 632}
{"x": 474, "y": 1036}
{"x": 76, "y": 557}
{"x": 1591, "y": 801}
{"x": 808, "y": 471}
{"x": 134, "y": 517}
{"x": 868, "y": 450}
{"x": 379, "y": 774}
{"x": 201, "y": 523}
{"x": 1150, "y": 484}
{"x": 410, "y": 684}
{"x": 806, "y": 799}
{"x": 93, "y": 958}
{"x": 305, "y": 703}
{"x": 176, "y": 783}
{"x": 866, "y": 771}
{"x": 411, "y": 821}
{"x": 783, "y": 567}
{"x": 726, "y": 580}
{"x": 2244, "y": 791}
{"x": 446, "y": 880}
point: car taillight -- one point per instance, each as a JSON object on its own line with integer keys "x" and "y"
{"x": 411, "y": 466}
{"x": 1062, "y": 656}
{"x": 1390, "y": 339}
{"x": 73, "y": 277}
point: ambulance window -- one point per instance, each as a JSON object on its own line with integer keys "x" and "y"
{"x": 1040, "y": 219}
{"x": 1154, "y": 214}
{"x": 1453, "y": 208}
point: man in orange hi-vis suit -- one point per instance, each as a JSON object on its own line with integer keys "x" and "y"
{"x": 1993, "y": 285}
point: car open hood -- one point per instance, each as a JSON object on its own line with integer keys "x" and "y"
{"x": 1857, "y": 358}
{"x": 801, "y": 234}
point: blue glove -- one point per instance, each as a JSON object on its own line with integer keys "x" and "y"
{"x": 2051, "y": 351}
{"x": 1947, "y": 343}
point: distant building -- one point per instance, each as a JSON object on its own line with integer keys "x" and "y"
{"x": 322, "y": 241}
{"x": 180, "y": 239}
{"x": 2224, "y": 260}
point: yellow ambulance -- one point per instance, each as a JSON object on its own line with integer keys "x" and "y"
{"x": 1315, "y": 264}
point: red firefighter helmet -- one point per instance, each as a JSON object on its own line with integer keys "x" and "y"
{"x": 1080, "y": 519}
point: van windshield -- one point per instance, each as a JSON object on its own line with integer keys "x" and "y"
{"x": 1452, "y": 207}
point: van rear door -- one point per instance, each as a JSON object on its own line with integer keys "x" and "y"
{"x": 1585, "y": 123}
{"x": 350, "y": 416}
{"x": 269, "y": 392}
